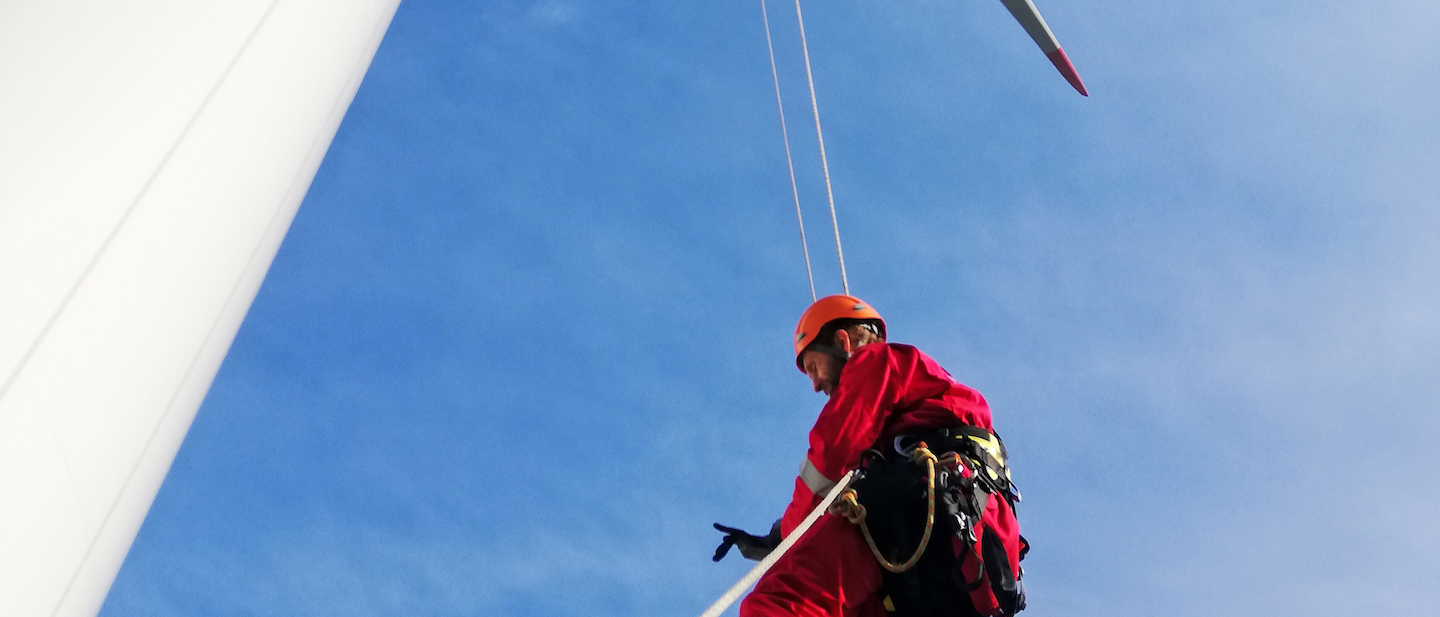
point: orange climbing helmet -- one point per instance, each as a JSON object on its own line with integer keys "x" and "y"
{"x": 826, "y": 310}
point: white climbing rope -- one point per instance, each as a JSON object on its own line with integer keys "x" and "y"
{"x": 739, "y": 588}
{"x": 794, "y": 190}
{"x": 824, "y": 164}
{"x": 743, "y": 585}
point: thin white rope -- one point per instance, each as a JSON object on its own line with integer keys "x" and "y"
{"x": 739, "y": 588}
{"x": 824, "y": 164}
{"x": 794, "y": 190}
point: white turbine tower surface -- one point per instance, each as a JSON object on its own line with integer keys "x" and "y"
{"x": 152, "y": 156}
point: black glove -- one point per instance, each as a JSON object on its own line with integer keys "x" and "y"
{"x": 751, "y": 547}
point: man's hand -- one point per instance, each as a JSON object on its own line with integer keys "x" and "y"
{"x": 751, "y": 547}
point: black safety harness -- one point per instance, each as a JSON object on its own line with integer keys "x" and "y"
{"x": 895, "y": 494}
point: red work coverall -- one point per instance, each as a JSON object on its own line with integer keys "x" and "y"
{"x": 885, "y": 389}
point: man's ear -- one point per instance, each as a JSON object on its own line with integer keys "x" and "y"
{"x": 842, "y": 341}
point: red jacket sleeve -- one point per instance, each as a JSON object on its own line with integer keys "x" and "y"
{"x": 871, "y": 383}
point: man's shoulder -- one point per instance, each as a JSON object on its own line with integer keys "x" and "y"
{"x": 898, "y": 349}
{"x": 893, "y": 354}
{"x": 911, "y": 354}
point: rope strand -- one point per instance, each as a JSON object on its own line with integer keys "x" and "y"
{"x": 824, "y": 164}
{"x": 848, "y": 506}
{"x": 789, "y": 163}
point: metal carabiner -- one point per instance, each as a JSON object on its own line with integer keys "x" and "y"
{"x": 907, "y": 453}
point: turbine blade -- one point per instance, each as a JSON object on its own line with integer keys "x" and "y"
{"x": 1029, "y": 17}
{"x": 1062, "y": 62}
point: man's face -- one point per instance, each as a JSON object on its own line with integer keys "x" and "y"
{"x": 823, "y": 369}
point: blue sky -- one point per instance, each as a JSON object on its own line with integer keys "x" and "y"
{"x": 528, "y": 335}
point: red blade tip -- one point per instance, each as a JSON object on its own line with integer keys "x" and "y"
{"x": 1061, "y": 62}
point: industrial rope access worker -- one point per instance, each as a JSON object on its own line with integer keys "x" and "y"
{"x": 884, "y": 399}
